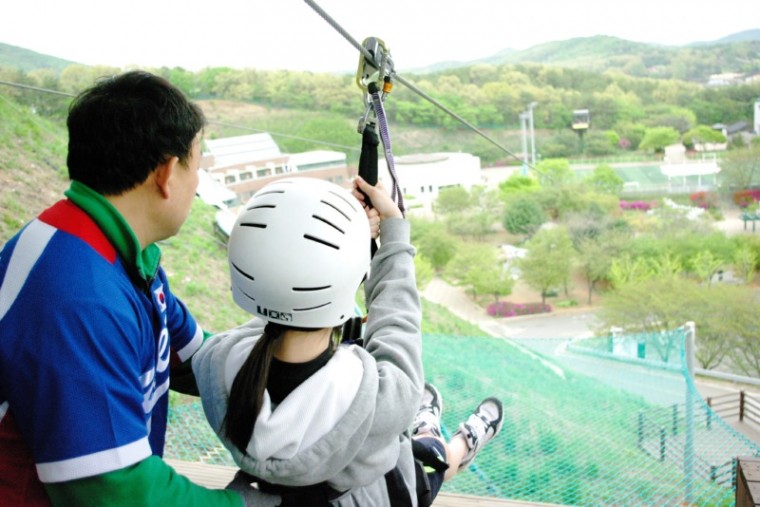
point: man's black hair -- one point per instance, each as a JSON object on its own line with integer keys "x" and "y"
{"x": 124, "y": 126}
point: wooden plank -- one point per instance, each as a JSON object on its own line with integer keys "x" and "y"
{"x": 211, "y": 476}
{"x": 218, "y": 476}
{"x": 457, "y": 500}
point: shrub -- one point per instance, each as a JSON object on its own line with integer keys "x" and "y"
{"x": 744, "y": 198}
{"x": 636, "y": 205}
{"x": 507, "y": 309}
{"x": 704, "y": 200}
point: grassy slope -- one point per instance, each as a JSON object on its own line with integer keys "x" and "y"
{"x": 314, "y": 125}
{"x": 32, "y": 161}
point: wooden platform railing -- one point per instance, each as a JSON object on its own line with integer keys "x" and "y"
{"x": 742, "y": 405}
{"x": 218, "y": 476}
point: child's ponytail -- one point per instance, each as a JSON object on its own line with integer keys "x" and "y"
{"x": 247, "y": 393}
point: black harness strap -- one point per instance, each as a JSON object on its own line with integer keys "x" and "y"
{"x": 398, "y": 493}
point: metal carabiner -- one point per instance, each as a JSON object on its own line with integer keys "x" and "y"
{"x": 377, "y": 70}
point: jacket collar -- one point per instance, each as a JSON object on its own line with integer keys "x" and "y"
{"x": 144, "y": 261}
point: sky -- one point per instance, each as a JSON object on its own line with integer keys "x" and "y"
{"x": 289, "y": 34}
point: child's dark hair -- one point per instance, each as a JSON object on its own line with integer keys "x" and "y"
{"x": 247, "y": 392}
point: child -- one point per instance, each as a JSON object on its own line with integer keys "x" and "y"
{"x": 313, "y": 421}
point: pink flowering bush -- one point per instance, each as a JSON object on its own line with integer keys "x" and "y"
{"x": 636, "y": 205}
{"x": 507, "y": 309}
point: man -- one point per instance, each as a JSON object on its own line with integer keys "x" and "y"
{"x": 89, "y": 330}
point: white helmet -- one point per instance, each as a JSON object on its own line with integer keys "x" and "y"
{"x": 298, "y": 252}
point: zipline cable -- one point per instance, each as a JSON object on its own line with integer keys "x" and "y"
{"x": 36, "y": 88}
{"x": 368, "y": 55}
{"x": 287, "y": 136}
{"x": 211, "y": 122}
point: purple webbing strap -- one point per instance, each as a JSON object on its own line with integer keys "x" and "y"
{"x": 385, "y": 137}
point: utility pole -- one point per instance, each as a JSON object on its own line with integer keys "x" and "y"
{"x": 532, "y": 133}
{"x": 523, "y": 122}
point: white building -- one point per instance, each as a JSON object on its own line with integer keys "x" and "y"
{"x": 244, "y": 164}
{"x": 421, "y": 177}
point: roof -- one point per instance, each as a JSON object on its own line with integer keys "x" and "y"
{"x": 317, "y": 156}
{"x": 241, "y": 149}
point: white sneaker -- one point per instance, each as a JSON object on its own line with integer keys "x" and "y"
{"x": 482, "y": 425}
{"x": 428, "y": 418}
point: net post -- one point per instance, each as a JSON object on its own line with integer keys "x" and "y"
{"x": 688, "y": 455}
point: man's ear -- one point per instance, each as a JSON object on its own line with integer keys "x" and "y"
{"x": 163, "y": 174}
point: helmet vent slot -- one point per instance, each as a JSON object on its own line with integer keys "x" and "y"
{"x": 343, "y": 198}
{"x": 337, "y": 209}
{"x": 248, "y": 296}
{"x": 311, "y": 289}
{"x": 267, "y": 192}
{"x": 246, "y": 275}
{"x": 260, "y": 206}
{"x": 253, "y": 224}
{"x": 322, "y": 241}
{"x": 310, "y": 308}
{"x": 329, "y": 223}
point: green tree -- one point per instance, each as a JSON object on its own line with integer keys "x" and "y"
{"x": 554, "y": 172}
{"x": 452, "y": 200}
{"x": 604, "y": 179}
{"x": 706, "y": 265}
{"x": 666, "y": 265}
{"x": 740, "y": 169}
{"x": 597, "y": 144}
{"x": 745, "y": 262}
{"x": 517, "y": 184}
{"x": 631, "y": 134}
{"x": 744, "y": 348}
{"x": 702, "y": 134}
{"x": 437, "y": 245}
{"x": 523, "y": 215}
{"x": 595, "y": 255}
{"x": 548, "y": 261}
{"x": 655, "y": 306}
{"x": 722, "y": 325}
{"x": 657, "y": 138}
{"x": 666, "y": 115}
{"x": 470, "y": 213}
{"x": 77, "y": 77}
{"x": 479, "y": 268}
{"x": 627, "y": 269}
{"x": 423, "y": 270}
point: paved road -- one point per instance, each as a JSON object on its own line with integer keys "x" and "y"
{"x": 550, "y": 331}
{"x": 570, "y": 323}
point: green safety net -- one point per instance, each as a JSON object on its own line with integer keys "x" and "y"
{"x": 592, "y": 422}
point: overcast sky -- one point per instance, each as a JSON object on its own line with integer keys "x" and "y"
{"x": 289, "y": 34}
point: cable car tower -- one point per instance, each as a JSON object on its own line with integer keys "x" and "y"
{"x": 581, "y": 123}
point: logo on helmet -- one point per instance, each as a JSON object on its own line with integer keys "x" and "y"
{"x": 274, "y": 314}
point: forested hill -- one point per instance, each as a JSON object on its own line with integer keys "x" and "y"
{"x": 738, "y": 53}
{"x": 27, "y": 60}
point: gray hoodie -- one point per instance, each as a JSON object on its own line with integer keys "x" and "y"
{"x": 347, "y": 424}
